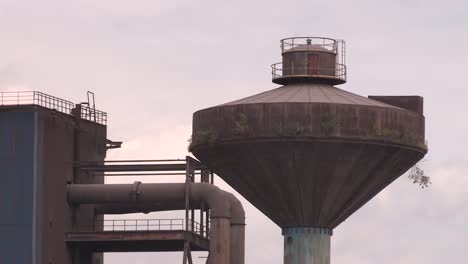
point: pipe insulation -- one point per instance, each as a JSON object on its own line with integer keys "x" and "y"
{"x": 227, "y": 236}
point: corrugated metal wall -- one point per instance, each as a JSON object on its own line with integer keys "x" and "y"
{"x": 17, "y": 134}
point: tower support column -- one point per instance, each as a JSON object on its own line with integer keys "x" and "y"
{"x": 307, "y": 245}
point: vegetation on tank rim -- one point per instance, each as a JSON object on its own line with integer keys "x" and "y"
{"x": 209, "y": 137}
{"x": 241, "y": 125}
{"x": 402, "y": 136}
{"x": 406, "y": 136}
{"x": 328, "y": 124}
{"x": 289, "y": 130}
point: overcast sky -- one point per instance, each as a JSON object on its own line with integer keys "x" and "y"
{"x": 153, "y": 63}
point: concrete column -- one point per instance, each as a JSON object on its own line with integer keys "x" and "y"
{"x": 220, "y": 244}
{"x": 306, "y": 245}
{"x": 237, "y": 251}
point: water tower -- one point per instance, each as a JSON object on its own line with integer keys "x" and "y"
{"x": 307, "y": 154}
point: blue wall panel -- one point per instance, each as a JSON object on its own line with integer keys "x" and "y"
{"x": 16, "y": 186}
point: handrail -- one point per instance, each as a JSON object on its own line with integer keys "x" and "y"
{"x": 339, "y": 72}
{"x": 36, "y": 98}
{"x": 325, "y": 43}
{"x": 309, "y": 37}
{"x": 115, "y": 225}
{"x": 141, "y": 225}
{"x": 94, "y": 115}
{"x": 50, "y": 102}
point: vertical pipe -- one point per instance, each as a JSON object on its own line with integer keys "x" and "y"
{"x": 207, "y": 222}
{"x": 192, "y": 213}
{"x": 187, "y": 205}
{"x": 237, "y": 244}
{"x": 202, "y": 212}
{"x": 187, "y": 193}
{"x": 76, "y": 112}
{"x": 220, "y": 244}
{"x": 306, "y": 245}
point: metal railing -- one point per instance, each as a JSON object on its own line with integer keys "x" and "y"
{"x": 94, "y": 115}
{"x": 144, "y": 225}
{"x": 277, "y": 71}
{"x": 36, "y": 98}
{"x": 324, "y": 43}
{"x": 50, "y": 102}
{"x": 117, "y": 225}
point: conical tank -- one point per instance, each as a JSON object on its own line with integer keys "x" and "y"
{"x": 308, "y": 154}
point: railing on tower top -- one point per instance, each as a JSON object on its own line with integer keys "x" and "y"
{"x": 329, "y": 45}
{"x": 339, "y": 72}
{"x": 325, "y": 43}
{"x": 51, "y": 102}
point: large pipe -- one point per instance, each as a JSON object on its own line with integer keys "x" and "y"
{"x": 131, "y": 208}
{"x": 227, "y": 214}
{"x": 237, "y": 250}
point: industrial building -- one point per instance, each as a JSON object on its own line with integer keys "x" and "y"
{"x": 306, "y": 154}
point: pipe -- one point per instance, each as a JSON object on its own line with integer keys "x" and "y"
{"x": 306, "y": 245}
{"x": 237, "y": 250}
{"x": 227, "y": 214}
{"x": 146, "y": 208}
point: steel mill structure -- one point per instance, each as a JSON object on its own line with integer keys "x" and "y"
{"x": 53, "y": 197}
{"x": 308, "y": 154}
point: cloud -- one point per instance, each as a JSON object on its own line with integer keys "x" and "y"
{"x": 167, "y": 144}
{"x": 422, "y": 226}
{"x": 450, "y": 183}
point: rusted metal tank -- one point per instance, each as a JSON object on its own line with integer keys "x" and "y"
{"x": 308, "y": 154}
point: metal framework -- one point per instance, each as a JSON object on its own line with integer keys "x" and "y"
{"x": 51, "y": 102}
{"x": 189, "y": 167}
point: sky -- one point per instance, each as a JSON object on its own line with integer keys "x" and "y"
{"x": 153, "y": 63}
